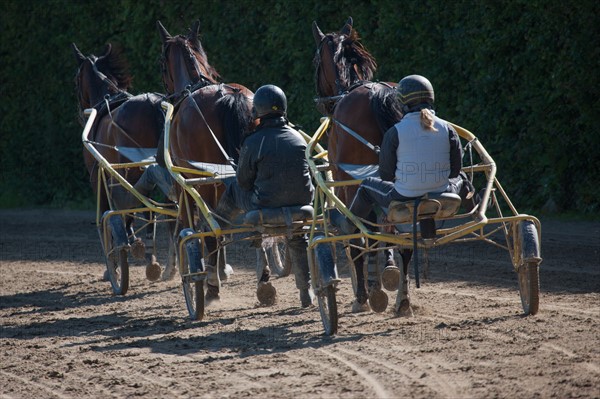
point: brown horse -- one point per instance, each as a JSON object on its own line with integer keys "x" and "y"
{"x": 123, "y": 120}
{"x": 210, "y": 118}
{"x": 361, "y": 110}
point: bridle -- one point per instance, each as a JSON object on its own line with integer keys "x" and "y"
{"x": 191, "y": 64}
{"x": 114, "y": 92}
{"x": 339, "y": 89}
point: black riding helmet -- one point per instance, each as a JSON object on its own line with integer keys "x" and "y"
{"x": 415, "y": 92}
{"x": 269, "y": 99}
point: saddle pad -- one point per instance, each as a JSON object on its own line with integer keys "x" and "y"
{"x": 283, "y": 216}
{"x": 135, "y": 154}
{"x": 360, "y": 171}
{"x": 214, "y": 168}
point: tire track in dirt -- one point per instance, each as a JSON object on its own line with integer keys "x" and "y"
{"x": 506, "y": 337}
{"x": 375, "y": 386}
{"x": 435, "y": 381}
{"x": 50, "y": 389}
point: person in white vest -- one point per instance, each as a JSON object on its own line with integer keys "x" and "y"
{"x": 420, "y": 154}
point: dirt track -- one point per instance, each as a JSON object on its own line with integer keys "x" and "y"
{"x": 63, "y": 335}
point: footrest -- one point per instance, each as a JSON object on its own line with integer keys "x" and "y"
{"x": 432, "y": 205}
{"x": 283, "y": 216}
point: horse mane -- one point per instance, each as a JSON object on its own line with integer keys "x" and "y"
{"x": 385, "y": 106}
{"x": 348, "y": 53}
{"x": 235, "y": 113}
{"x": 352, "y": 52}
{"x": 116, "y": 65}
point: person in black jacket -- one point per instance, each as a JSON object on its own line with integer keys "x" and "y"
{"x": 273, "y": 172}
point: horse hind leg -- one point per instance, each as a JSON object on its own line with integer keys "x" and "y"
{"x": 403, "y": 307}
{"x": 265, "y": 291}
{"x": 360, "y": 303}
{"x": 171, "y": 266}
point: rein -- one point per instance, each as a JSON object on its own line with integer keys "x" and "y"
{"x": 375, "y": 148}
{"x": 215, "y": 139}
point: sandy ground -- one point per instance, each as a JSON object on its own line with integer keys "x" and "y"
{"x": 64, "y": 335}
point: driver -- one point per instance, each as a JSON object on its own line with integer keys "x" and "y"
{"x": 272, "y": 173}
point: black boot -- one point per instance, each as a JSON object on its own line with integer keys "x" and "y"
{"x": 340, "y": 221}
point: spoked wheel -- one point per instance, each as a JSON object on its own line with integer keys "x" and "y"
{"x": 529, "y": 267}
{"x": 326, "y": 288}
{"x": 190, "y": 262}
{"x": 116, "y": 250}
{"x": 280, "y": 261}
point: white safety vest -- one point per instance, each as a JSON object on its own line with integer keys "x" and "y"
{"x": 423, "y": 157}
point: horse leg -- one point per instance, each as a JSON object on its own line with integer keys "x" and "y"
{"x": 265, "y": 292}
{"x": 403, "y": 307}
{"x": 225, "y": 269}
{"x": 213, "y": 281}
{"x": 171, "y": 266}
{"x": 361, "y": 295}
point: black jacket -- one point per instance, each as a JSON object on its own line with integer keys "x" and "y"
{"x": 273, "y": 165}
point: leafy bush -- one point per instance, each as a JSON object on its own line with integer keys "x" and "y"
{"x": 522, "y": 75}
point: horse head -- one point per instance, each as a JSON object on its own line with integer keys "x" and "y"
{"x": 341, "y": 60}
{"x": 184, "y": 62}
{"x": 98, "y": 77}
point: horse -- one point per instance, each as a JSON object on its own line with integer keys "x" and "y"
{"x": 210, "y": 119}
{"x": 123, "y": 120}
{"x": 361, "y": 111}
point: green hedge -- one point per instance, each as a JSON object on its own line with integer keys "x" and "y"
{"x": 522, "y": 75}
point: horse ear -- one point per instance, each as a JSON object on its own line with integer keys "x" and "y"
{"x": 78, "y": 55}
{"x": 317, "y": 34}
{"x": 164, "y": 35}
{"x": 194, "y": 30}
{"x": 347, "y": 28}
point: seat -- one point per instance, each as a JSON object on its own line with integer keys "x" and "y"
{"x": 430, "y": 206}
{"x": 284, "y": 216}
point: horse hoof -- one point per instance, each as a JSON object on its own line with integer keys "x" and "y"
{"x": 138, "y": 248}
{"x": 358, "y": 307}
{"x": 378, "y": 301}
{"x": 404, "y": 309}
{"x": 105, "y": 276}
{"x": 390, "y": 278}
{"x": 169, "y": 273}
{"x": 212, "y": 294}
{"x": 153, "y": 271}
{"x": 225, "y": 272}
{"x": 266, "y": 293}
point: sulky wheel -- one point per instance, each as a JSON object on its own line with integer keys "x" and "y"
{"x": 190, "y": 261}
{"x": 116, "y": 250}
{"x": 528, "y": 267}
{"x": 326, "y": 281}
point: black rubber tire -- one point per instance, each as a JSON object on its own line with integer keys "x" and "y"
{"x": 193, "y": 291}
{"x": 326, "y": 296}
{"x": 117, "y": 264}
{"x": 528, "y": 270}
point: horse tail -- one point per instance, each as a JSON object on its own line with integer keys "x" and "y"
{"x": 385, "y": 106}
{"x": 235, "y": 114}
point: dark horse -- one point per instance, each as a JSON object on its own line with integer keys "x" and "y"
{"x": 358, "y": 107}
{"x": 210, "y": 118}
{"x": 123, "y": 120}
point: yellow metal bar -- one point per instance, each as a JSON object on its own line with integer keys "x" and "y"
{"x": 181, "y": 180}
{"x": 107, "y": 166}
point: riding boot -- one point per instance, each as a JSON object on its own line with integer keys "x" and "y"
{"x": 340, "y": 221}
